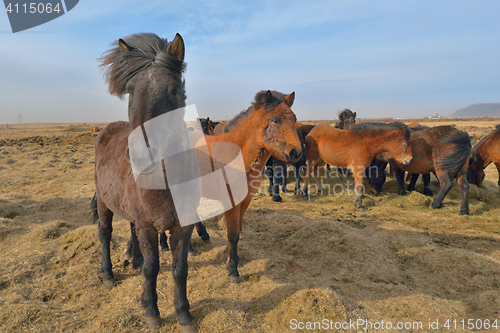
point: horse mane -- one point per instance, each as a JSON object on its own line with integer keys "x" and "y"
{"x": 259, "y": 101}
{"x": 345, "y": 112}
{"x": 497, "y": 127}
{"x": 377, "y": 126}
{"x": 146, "y": 49}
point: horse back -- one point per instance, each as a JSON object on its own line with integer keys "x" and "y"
{"x": 333, "y": 145}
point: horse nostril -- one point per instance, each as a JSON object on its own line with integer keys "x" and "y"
{"x": 293, "y": 154}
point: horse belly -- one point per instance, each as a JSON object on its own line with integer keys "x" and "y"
{"x": 334, "y": 156}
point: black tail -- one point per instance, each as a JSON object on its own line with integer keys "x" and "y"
{"x": 93, "y": 209}
{"x": 457, "y": 159}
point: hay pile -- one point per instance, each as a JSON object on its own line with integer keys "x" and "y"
{"x": 398, "y": 261}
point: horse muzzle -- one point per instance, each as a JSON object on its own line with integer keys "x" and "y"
{"x": 406, "y": 160}
{"x": 293, "y": 156}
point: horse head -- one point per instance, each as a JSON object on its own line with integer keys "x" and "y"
{"x": 149, "y": 69}
{"x": 279, "y": 134}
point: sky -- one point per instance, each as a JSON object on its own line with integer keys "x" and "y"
{"x": 399, "y": 59}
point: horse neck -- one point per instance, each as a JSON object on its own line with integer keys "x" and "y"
{"x": 372, "y": 137}
{"x": 482, "y": 151}
{"x": 246, "y": 136}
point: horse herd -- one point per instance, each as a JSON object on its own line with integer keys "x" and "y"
{"x": 149, "y": 69}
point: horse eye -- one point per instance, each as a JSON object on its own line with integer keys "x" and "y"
{"x": 276, "y": 120}
{"x": 407, "y": 143}
{"x": 175, "y": 93}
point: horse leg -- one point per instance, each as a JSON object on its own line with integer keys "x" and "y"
{"x": 179, "y": 242}
{"x": 148, "y": 241}
{"x": 296, "y": 170}
{"x": 270, "y": 174}
{"x": 309, "y": 168}
{"x": 233, "y": 235}
{"x": 278, "y": 180}
{"x": 426, "y": 177}
{"x": 105, "y": 230}
{"x": 319, "y": 170}
{"x": 163, "y": 242}
{"x": 413, "y": 181}
{"x": 400, "y": 177}
{"x": 283, "y": 178}
{"x": 463, "y": 185}
{"x": 446, "y": 185}
{"x": 498, "y": 169}
{"x": 133, "y": 251}
{"x": 202, "y": 232}
{"x": 359, "y": 189}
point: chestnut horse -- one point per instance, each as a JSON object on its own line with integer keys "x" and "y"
{"x": 267, "y": 127}
{"x": 355, "y": 148}
{"x": 485, "y": 152}
{"x": 95, "y": 129}
{"x": 443, "y": 150}
{"x": 149, "y": 69}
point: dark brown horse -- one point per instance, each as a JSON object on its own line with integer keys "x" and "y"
{"x": 149, "y": 69}
{"x": 267, "y": 127}
{"x": 276, "y": 169}
{"x": 355, "y": 148}
{"x": 347, "y": 119}
{"x": 487, "y": 151}
{"x": 443, "y": 150}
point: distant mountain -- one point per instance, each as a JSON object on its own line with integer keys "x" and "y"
{"x": 479, "y": 110}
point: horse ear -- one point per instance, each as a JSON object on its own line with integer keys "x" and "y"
{"x": 354, "y": 114}
{"x": 268, "y": 96}
{"x": 208, "y": 118}
{"x": 123, "y": 47}
{"x": 176, "y": 48}
{"x": 289, "y": 99}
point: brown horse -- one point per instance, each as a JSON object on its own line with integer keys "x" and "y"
{"x": 149, "y": 69}
{"x": 355, "y": 148}
{"x": 443, "y": 150}
{"x": 485, "y": 152}
{"x": 206, "y": 126}
{"x": 95, "y": 129}
{"x": 267, "y": 127}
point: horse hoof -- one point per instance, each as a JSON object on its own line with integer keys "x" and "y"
{"x": 207, "y": 241}
{"x": 278, "y": 199}
{"x": 165, "y": 249}
{"x": 361, "y": 209}
{"x": 189, "y": 328}
{"x": 464, "y": 212}
{"x": 153, "y": 322}
{"x": 190, "y": 254}
{"x": 234, "y": 279}
{"x": 110, "y": 283}
{"x": 435, "y": 205}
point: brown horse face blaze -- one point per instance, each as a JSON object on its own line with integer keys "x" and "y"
{"x": 280, "y": 133}
{"x": 401, "y": 149}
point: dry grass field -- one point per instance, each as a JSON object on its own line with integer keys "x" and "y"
{"x": 399, "y": 261}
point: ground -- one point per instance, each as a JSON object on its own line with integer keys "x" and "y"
{"x": 399, "y": 261}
